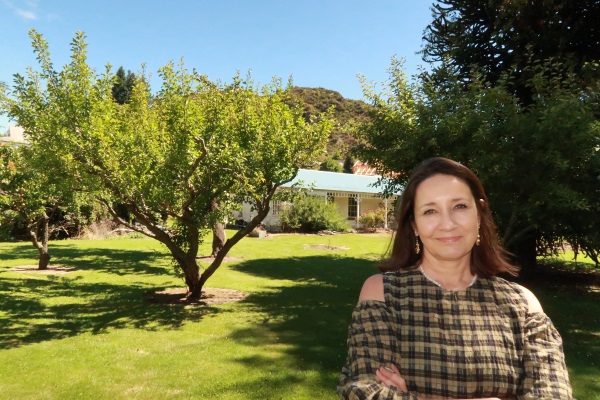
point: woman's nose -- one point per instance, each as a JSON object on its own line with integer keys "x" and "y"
{"x": 447, "y": 220}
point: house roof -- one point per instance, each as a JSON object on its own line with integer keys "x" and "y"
{"x": 335, "y": 181}
{"x": 361, "y": 168}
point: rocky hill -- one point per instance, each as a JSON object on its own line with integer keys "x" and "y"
{"x": 347, "y": 114}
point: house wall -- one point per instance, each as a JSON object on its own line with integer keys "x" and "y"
{"x": 14, "y": 134}
{"x": 246, "y": 214}
{"x": 271, "y": 222}
{"x": 367, "y": 205}
{"x": 342, "y": 205}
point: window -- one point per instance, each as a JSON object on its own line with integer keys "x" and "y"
{"x": 277, "y": 207}
{"x": 352, "y": 206}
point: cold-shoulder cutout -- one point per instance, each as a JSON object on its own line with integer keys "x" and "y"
{"x": 372, "y": 289}
{"x": 533, "y": 303}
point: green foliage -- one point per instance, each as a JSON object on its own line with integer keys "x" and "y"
{"x": 348, "y": 164}
{"x": 312, "y": 214}
{"x": 32, "y": 200}
{"x": 391, "y": 127}
{"x": 330, "y": 165}
{"x": 123, "y": 86}
{"x": 170, "y": 156}
{"x": 510, "y": 37}
{"x": 372, "y": 219}
{"x": 318, "y": 100}
{"x": 346, "y": 113}
{"x": 540, "y": 164}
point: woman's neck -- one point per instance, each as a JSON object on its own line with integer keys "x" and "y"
{"x": 448, "y": 275}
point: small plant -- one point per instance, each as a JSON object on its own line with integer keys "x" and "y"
{"x": 312, "y": 214}
{"x": 372, "y": 219}
{"x": 331, "y": 165}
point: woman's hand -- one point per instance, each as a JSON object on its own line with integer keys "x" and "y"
{"x": 391, "y": 377}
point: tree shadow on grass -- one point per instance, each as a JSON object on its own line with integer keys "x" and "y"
{"x": 310, "y": 317}
{"x": 572, "y": 300}
{"x": 37, "y": 310}
{"x": 114, "y": 261}
{"x": 18, "y": 251}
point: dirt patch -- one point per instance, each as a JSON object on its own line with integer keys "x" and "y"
{"x": 210, "y": 296}
{"x": 52, "y": 269}
{"x": 326, "y": 247}
{"x": 210, "y": 259}
{"x": 375, "y": 231}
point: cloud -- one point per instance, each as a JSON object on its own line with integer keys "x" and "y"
{"x": 23, "y": 13}
{"x": 28, "y": 15}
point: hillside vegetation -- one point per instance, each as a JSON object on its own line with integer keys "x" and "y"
{"x": 347, "y": 113}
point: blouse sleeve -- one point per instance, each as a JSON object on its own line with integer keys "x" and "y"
{"x": 372, "y": 343}
{"x": 546, "y": 375}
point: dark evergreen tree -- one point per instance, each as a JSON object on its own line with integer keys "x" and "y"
{"x": 348, "y": 164}
{"x": 121, "y": 92}
{"x": 500, "y": 36}
{"x": 123, "y": 86}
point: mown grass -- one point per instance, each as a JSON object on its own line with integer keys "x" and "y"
{"x": 90, "y": 334}
{"x": 573, "y": 303}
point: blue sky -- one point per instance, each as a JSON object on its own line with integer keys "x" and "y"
{"x": 323, "y": 43}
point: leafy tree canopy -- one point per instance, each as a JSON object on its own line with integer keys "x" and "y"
{"x": 31, "y": 198}
{"x": 506, "y": 37}
{"x": 540, "y": 164}
{"x": 331, "y": 165}
{"x": 171, "y": 157}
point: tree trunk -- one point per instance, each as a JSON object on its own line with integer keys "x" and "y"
{"x": 219, "y": 239}
{"x": 195, "y": 293}
{"x": 525, "y": 255}
{"x": 218, "y": 230}
{"x": 44, "y": 224}
{"x": 191, "y": 271}
{"x": 229, "y": 244}
{"x": 44, "y": 261}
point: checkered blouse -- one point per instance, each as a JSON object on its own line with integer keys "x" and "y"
{"x": 473, "y": 343}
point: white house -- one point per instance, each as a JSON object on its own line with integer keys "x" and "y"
{"x": 353, "y": 195}
{"x": 14, "y": 134}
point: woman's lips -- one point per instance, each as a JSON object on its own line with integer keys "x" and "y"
{"x": 449, "y": 239}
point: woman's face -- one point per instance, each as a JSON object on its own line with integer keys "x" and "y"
{"x": 446, "y": 218}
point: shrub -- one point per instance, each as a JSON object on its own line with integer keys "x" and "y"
{"x": 331, "y": 165}
{"x": 372, "y": 219}
{"x": 312, "y": 214}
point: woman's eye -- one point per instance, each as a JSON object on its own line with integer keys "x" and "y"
{"x": 461, "y": 205}
{"x": 428, "y": 212}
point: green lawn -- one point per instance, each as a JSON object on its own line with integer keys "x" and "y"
{"x": 88, "y": 334}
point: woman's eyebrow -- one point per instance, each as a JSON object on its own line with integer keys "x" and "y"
{"x": 433, "y": 203}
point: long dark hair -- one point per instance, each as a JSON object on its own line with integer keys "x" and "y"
{"x": 487, "y": 259}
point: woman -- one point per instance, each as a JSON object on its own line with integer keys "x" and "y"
{"x": 439, "y": 323}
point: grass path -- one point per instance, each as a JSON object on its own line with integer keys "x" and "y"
{"x": 88, "y": 333}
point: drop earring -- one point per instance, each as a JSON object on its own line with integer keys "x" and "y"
{"x": 478, "y": 241}
{"x": 417, "y": 246}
